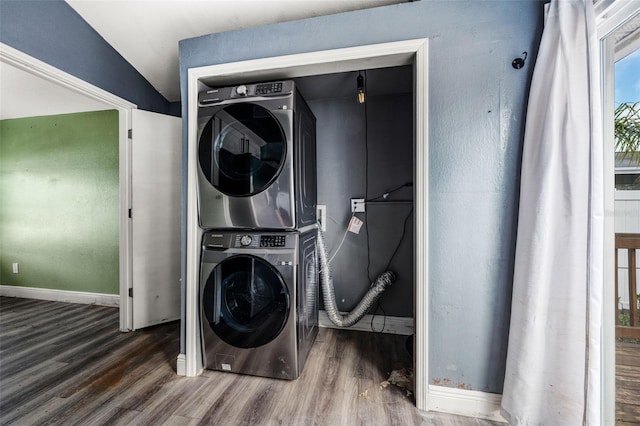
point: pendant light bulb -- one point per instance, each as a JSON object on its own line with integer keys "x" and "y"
{"x": 361, "y": 93}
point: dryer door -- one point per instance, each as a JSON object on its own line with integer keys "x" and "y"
{"x": 246, "y": 301}
{"x": 242, "y": 149}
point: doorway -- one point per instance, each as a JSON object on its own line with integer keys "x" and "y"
{"x": 410, "y": 52}
{"x": 70, "y": 95}
{"x": 626, "y": 45}
{"x": 150, "y": 250}
{"x": 611, "y": 16}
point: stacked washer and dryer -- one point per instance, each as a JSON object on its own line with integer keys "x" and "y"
{"x": 257, "y": 191}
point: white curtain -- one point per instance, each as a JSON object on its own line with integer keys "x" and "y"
{"x": 553, "y": 372}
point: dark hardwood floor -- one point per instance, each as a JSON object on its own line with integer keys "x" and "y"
{"x": 68, "y": 364}
{"x": 627, "y": 384}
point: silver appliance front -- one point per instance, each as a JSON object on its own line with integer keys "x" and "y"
{"x": 254, "y": 320}
{"x": 256, "y": 158}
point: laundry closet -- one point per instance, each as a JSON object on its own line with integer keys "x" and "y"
{"x": 275, "y": 161}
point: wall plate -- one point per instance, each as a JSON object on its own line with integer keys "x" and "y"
{"x": 357, "y": 205}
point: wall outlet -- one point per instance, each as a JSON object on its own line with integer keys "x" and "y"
{"x": 322, "y": 216}
{"x": 357, "y": 205}
{"x": 15, "y": 267}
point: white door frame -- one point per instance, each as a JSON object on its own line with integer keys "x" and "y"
{"x": 338, "y": 60}
{"x": 41, "y": 69}
{"x": 610, "y": 15}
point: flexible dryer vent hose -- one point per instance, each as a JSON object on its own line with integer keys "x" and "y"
{"x": 328, "y": 295}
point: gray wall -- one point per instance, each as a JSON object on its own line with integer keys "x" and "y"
{"x": 476, "y": 116}
{"x": 342, "y": 146}
{"x": 53, "y": 32}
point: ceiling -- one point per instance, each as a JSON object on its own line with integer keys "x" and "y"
{"x": 146, "y": 32}
{"x": 379, "y": 82}
{"x": 155, "y": 50}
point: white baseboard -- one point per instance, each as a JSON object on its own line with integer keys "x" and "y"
{"x": 83, "y": 297}
{"x": 392, "y": 325}
{"x": 465, "y": 402}
{"x": 181, "y": 367}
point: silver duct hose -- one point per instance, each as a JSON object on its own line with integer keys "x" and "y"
{"x": 328, "y": 295}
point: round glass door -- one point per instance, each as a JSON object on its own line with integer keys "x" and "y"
{"x": 245, "y": 301}
{"x": 242, "y": 149}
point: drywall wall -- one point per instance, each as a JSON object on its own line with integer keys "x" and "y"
{"x": 476, "y": 117}
{"x": 53, "y": 32}
{"x": 59, "y": 210}
{"x": 365, "y": 150}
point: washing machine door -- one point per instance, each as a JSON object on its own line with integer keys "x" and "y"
{"x": 246, "y": 301}
{"x": 242, "y": 149}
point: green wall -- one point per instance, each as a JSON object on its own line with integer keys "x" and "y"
{"x": 59, "y": 202}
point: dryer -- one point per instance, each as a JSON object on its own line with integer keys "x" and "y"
{"x": 256, "y": 158}
{"x": 259, "y": 301}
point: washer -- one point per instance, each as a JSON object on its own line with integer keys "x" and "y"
{"x": 259, "y": 301}
{"x": 256, "y": 158}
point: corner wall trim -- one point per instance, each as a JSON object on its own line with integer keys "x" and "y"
{"x": 86, "y": 298}
{"x": 465, "y": 402}
{"x": 34, "y": 66}
{"x": 392, "y": 325}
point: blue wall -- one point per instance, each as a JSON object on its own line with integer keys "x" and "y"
{"x": 53, "y": 32}
{"x": 476, "y": 115}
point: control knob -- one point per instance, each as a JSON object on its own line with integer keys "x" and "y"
{"x": 245, "y": 240}
{"x": 241, "y": 90}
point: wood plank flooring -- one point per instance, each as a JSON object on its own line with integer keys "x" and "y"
{"x": 67, "y": 364}
{"x": 627, "y": 384}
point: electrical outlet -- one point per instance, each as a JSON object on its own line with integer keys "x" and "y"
{"x": 322, "y": 216}
{"x": 15, "y": 267}
{"x": 357, "y": 205}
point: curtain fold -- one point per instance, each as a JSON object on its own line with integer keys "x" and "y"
{"x": 553, "y": 371}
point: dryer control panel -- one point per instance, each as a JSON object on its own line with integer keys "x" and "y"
{"x": 244, "y": 91}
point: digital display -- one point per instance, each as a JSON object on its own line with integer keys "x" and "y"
{"x": 273, "y": 241}
{"x": 266, "y": 89}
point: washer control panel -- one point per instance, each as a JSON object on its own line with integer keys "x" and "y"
{"x": 273, "y": 241}
{"x": 245, "y": 240}
{"x": 268, "y": 88}
{"x": 241, "y": 90}
{"x": 260, "y": 241}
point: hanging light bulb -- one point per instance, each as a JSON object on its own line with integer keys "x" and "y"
{"x": 361, "y": 93}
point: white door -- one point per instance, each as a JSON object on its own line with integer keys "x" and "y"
{"x": 156, "y": 163}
